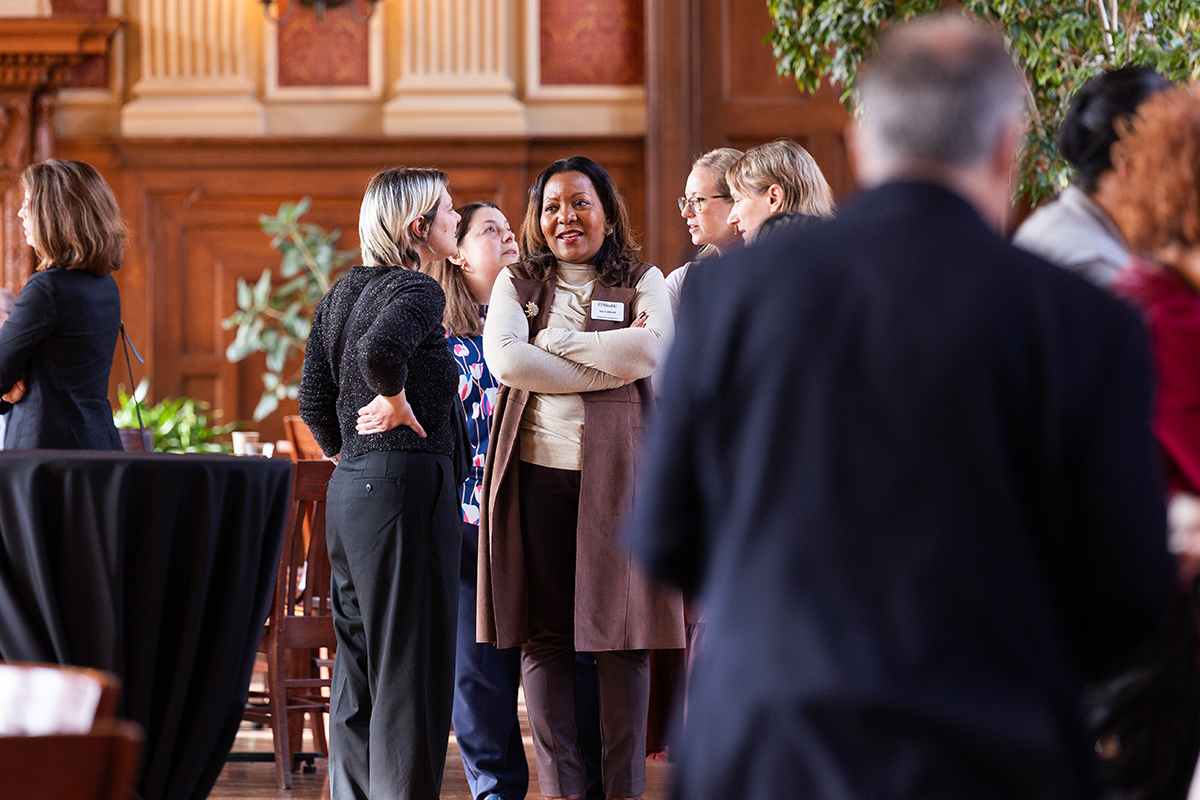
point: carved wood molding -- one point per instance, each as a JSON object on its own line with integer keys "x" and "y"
{"x": 36, "y": 54}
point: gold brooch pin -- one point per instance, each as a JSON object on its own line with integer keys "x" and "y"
{"x": 531, "y": 309}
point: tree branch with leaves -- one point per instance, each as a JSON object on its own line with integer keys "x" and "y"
{"x": 1059, "y": 43}
{"x": 276, "y": 319}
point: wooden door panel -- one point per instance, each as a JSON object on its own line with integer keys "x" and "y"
{"x": 712, "y": 83}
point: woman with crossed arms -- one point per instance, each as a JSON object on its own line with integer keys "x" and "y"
{"x": 572, "y": 334}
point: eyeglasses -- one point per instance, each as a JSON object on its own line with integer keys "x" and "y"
{"x": 696, "y": 204}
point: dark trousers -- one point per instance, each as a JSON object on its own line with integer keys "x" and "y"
{"x": 486, "y": 678}
{"x": 485, "y": 697}
{"x": 549, "y": 500}
{"x": 392, "y": 520}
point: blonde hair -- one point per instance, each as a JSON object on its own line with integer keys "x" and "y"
{"x": 789, "y": 166}
{"x": 395, "y": 198}
{"x": 73, "y": 217}
{"x": 461, "y": 317}
{"x": 718, "y": 163}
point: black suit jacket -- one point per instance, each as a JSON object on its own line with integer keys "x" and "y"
{"x": 909, "y": 470}
{"x": 62, "y": 335}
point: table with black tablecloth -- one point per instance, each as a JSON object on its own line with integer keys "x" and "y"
{"x": 156, "y": 567}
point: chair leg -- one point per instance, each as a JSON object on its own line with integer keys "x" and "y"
{"x": 279, "y": 716}
{"x": 318, "y": 729}
{"x": 317, "y": 718}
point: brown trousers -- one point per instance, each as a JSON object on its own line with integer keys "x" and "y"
{"x": 549, "y": 500}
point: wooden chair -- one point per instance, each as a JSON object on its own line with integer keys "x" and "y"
{"x": 304, "y": 446}
{"x": 99, "y": 765}
{"x": 42, "y": 699}
{"x": 299, "y": 624}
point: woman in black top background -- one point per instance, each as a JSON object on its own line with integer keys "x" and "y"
{"x": 380, "y": 396}
{"x": 56, "y": 348}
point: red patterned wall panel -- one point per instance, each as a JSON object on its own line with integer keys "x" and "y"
{"x": 332, "y": 52}
{"x": 93, "y": 72}
{"x": 592, "y": 42}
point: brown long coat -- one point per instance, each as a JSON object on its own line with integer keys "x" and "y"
{"x": 616, "y": 605}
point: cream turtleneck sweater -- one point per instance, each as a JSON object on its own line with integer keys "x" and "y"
{"x": 563, "y": 360}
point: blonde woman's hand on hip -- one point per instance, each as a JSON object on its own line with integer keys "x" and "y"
{"x": 387, "y": 413}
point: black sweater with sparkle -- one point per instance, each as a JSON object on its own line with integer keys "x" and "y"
{"x": 396, "y": 342}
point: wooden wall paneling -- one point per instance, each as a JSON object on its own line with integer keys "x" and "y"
{"x": 192, "y": 207}
{"x": 745, "y": 103}
{"x": 711, "y": 82}
{"x": 672, "y": 124}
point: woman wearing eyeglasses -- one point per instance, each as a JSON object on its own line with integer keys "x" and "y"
{"x": 705, "y": 207}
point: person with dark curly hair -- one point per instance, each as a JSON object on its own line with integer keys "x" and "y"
{"x": 573, "y": 333}
{"x": 1076, "y": 230}
{"x": 1159, "y": 215}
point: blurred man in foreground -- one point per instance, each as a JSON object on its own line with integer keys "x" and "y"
{"x": 908, "y": 469}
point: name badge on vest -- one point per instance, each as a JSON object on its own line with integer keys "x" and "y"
{"x": 608, "y": 311}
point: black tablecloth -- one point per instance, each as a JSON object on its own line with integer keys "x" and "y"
{"x": 156, "y": 567}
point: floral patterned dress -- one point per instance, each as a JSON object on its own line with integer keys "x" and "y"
{"x": 477, "y": 388}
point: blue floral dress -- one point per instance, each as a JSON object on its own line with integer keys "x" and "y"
{"x": 477, "y": 388}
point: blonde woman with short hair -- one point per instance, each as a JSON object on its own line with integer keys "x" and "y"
{"x": 774, "y": 177}
{"x": 56, "y": 348}
{"x": 377, "y": 391}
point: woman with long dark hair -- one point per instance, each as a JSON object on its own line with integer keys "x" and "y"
{"x": 573, "y": 333}
{"x": 377, "y": 391}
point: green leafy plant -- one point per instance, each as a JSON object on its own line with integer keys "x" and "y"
{"x": 275, "y": 319}
{"x": 1059, "y": 43}
{"x": 179, "y": 424}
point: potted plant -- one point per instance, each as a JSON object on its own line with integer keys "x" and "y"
{"x": 177, "y": 424}
{"x": 275, "y": 319}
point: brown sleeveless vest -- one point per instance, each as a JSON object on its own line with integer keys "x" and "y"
{"x": 616, "y": 605}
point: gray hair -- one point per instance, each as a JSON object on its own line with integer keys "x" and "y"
{"x": 941, "y": 90}
{"x": 394, "y": 199}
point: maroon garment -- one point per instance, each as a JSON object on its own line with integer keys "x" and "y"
{"x": 1171, "y": 307}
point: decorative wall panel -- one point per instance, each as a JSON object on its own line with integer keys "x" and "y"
{"x": 592, "y": 42}
{"x": 332, "y": 52}
{"x": 93, "y": 72}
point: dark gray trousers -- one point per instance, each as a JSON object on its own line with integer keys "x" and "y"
{"x": 549, "y": 500}
{"x": 394, "y": 546}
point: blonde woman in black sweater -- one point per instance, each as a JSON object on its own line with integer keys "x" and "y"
{"x": 377, "y": 392}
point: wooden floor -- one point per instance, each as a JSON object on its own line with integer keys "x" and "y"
{"x": 243, "y": 781}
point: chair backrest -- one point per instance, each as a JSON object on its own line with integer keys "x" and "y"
{"x": 304, "y": 446}
{"x": 99, "y": 765}
{"x": 302, "y": 609}
{"x": 42, "y": 699}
